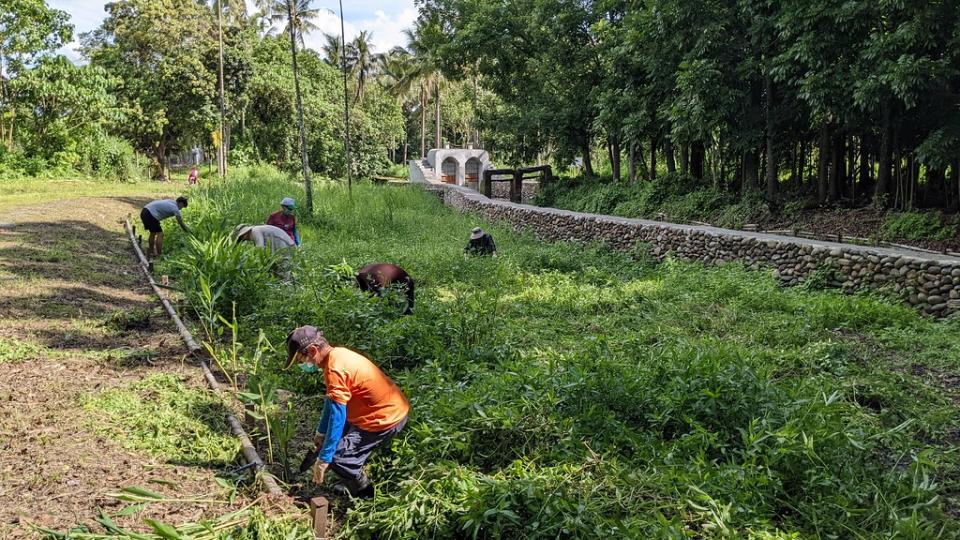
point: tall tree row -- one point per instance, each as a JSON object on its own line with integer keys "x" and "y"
{"x": 844, "y": 102}
{"x": 152, "y": 85}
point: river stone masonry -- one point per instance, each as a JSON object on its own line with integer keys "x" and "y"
{"x": 930, "y": 283}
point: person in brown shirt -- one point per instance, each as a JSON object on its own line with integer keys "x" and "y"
{"x": 374, "y": 278}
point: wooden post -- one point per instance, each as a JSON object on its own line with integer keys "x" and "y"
{"x": 516, "y": 187}
{"x": 318, "y": 512}
{"x": 547, "y": 176}
{"x": 485, "y": 186}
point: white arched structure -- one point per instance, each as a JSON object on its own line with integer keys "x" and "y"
{"x": 451, "y": 165}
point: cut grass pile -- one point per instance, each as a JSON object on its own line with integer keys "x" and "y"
{"x": 164, "y": 417}
{"x": 568, "y": 391}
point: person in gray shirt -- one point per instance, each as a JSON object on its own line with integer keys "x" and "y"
{"x": 269, "y": 236}
{"x": 273, "y": 238}
{"x": 156, "y": 211}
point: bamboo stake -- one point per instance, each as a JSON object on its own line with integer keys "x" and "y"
{"x": 249, "y": 451}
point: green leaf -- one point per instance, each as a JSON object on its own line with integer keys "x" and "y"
{"x": 130, "y": 510}
{"x": 164, "y": 530}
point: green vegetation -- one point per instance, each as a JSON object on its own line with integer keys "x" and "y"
{"x": 838, "y": 102}
{"x": 673, "y": 195}
{"x": 166, "y": 418}
{"x": 15, "y": 350}
{"x": 249, "y": 523}
{"x": 565, "y": 390}
{"x": 918, "y": 226}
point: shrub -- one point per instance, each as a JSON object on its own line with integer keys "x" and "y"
{"x": 917, "y": 226}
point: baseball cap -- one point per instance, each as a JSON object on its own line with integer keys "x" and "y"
{"x": 288, "y": 202}
{"x": 299, "y": 339}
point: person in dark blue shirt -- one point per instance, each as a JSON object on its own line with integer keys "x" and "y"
{"x": 481, "y": 243}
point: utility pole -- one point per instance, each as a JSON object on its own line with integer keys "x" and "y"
{"x": 222, "y": 148}
{"x": 346, "y": 103}
{"x": 307, "y": 185}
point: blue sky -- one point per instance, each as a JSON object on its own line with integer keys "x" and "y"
{"x": 385, "y": 18}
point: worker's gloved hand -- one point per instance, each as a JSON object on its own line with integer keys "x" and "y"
{"x": 319, "y": 471}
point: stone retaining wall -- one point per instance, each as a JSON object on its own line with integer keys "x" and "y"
{"x": 929, "y": 282}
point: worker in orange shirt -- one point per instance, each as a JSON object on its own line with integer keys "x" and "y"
{"x": 362, "y": 410}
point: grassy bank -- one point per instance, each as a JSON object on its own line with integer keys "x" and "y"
{"x": 565, "y": 390}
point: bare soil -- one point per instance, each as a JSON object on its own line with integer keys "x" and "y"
{"x": 66, "y": 268}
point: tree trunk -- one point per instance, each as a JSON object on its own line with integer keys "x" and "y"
{"x": 587, "y": 162}
{"x": 423, "y": 122}
{"x": 696, "y": 159}
{"x": 750, "y": 169}
{"x": 632, "y": 163}
{"x": 161, "y": 155}
{"x": 934, "y": 195}
{"x": 802, "y": 165}
{"x": 824, "y": 164}
{"x": 615, "y": 159}
{"x": 438, "y": 138}
{"x": 684, "y": 158}
{"x": 955, "y": 182}
{"x": 836, "y": 167}
{"x": 668, "y": 154}
{"x": 304, "y": 158}
{"x": 772, "y": 180}
{"x": 864, "y": 165}
{"x": 653, "y": 158}
{"x": 883, "y": 175}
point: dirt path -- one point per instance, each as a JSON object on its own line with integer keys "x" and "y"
{"x": 76, "y": 319}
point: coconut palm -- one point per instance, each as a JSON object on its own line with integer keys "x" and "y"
{"x": 234, "y": 11}
{"x": 396, "y": 69}
{"x": 429, "y": 78}
{"x": 332, "y": 50}
{"x": 362, "y": 60}
{"x": 302, "y": 19}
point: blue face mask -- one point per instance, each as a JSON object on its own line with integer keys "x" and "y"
{"x": 308, "y": 367}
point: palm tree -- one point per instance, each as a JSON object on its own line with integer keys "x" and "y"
{"x": 302, "y": 17}
{"x": 298, "y": 14}
{"x": 429, "y": 77}
{"x": 332, "y": 50}
{"x": 234, "y": 11}
{"x": 396, "y": 77}
{"x": 362, "y": 60}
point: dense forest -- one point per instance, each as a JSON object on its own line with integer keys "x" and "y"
{"x": 845, "y": 101}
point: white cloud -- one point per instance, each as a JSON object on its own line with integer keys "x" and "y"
{"x": 387, "y": 28}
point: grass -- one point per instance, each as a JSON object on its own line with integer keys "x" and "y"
{"x": 568, "y": 391}
{"x": 15, "y": 350}
{"x": 22, "y": 191}
{"x": 164, "y": 417}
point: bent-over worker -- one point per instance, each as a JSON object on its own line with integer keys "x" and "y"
{"x": 362, "y": 410}
{"x": 156, "y": 211}
{"x": 374, "y": 278}
{"x": 264, "y": 236}
{"x": 286, "y": 220}
{"x": 481, "y": 243}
